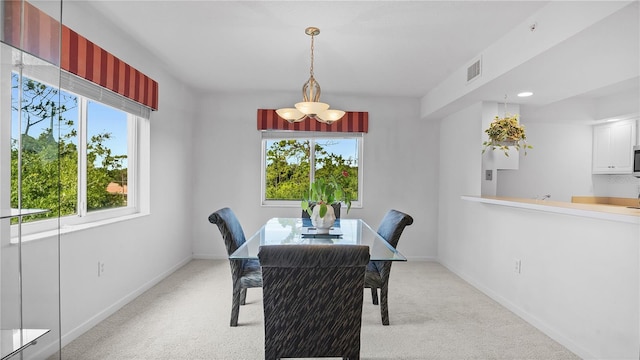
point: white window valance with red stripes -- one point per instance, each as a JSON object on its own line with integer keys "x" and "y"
{"x": 39, "y": 35}
{"x": 352, "y": 122}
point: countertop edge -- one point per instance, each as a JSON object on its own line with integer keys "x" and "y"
{"x": 584, "y": 210}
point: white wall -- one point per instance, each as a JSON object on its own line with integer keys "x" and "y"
{"x": 625, "y": 186}
{"x": 579, "y": 279}
{"x": 139, "y": 252}
{"x": 459, "y": 174}
{"x": 561, "y": 161}
{"x": 399, "y": 163}
{"x": 559, "y": 164}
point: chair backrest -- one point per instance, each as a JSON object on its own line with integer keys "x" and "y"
{"x": 229, "y": 227}
{"x": 336, "y": 210}
{"x": 392, "y": 225}
{"x": 312, "y": 299}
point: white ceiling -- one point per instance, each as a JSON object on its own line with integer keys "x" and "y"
{"x": 365, "y": 47}
{"x": 373, "y": 48}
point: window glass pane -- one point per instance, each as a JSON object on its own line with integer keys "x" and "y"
{"x": 74, "y": 155}
{"x": 338, "y": 158}
{"x": 287, "y": 169}
{"x": 46, "y": 133}
{"x": 290, "y": 167}
{"x": 106, "y": 157}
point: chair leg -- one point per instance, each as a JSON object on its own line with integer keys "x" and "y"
{"x": 243, "y": 296}
{"x": 235, "y": 306}
{"x": 270, "y": 353}
{"x": 374, "y": 295}
{"x": 384, "y": 308}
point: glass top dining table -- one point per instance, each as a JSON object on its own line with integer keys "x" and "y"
{"x": 299, "y": 231}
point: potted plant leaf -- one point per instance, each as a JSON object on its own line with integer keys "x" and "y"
{"x": 504, "y": 133}
{"x": 322, "y": 194}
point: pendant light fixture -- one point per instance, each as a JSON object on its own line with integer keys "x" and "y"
{"x": 311, "y": 106}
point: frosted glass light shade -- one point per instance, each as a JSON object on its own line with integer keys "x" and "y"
{"x": 290, "y": 114}
{"x": 311, "y": 108}
{"x": 329, "y": 116}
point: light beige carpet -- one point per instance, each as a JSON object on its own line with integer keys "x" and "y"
{"x": 434, "y": 315}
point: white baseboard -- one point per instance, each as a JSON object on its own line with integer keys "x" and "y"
{"x": 421, "y": 258}
{"x": 93, "y": 321}
{"x": 209, "y": 257}
{"x": 526, "y": 316}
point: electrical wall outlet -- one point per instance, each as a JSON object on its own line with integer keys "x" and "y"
{"x": 100, "y": 268}
{"x": 488, "y": 175}
{"x": 517, "y": 266}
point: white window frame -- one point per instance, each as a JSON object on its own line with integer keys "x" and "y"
{"x": 312, "y": 136}
{"x": 132, "y": 168}
{"x": 138, "y": 156}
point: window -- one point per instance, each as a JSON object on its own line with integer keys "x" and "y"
{"x": 40, "y": 144}
{"x": 289, "y": 165}
{"x": 79, "y": 157}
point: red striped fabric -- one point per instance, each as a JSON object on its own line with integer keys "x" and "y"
{"x": 352, "y": 121}
{"x": 79, "y": 55}
{"x": 41, "y": 32}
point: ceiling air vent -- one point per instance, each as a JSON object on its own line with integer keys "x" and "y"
{"x": 473, "y": 71}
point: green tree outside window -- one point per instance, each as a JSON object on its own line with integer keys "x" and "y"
{"x": 288, "y": 166}
{"x": 49, "y": 153}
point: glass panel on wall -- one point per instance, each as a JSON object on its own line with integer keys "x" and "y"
{"x": 44, "y": 124}
{"x": 32, "y": 132}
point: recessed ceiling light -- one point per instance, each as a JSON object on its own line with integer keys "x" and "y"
{"x": 525, "y": 94}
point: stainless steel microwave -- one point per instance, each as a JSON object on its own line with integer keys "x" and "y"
{"x": 636, "y": 161}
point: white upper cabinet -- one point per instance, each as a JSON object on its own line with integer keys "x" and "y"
{"x": 612, "y": 147}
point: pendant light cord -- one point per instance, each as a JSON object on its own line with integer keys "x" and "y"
{"x": 311, "y": 68}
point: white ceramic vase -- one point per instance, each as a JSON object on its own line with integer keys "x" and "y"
{"x": 323, "y": 224}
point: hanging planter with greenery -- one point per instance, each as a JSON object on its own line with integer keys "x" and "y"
{"x": 504, "y": 133}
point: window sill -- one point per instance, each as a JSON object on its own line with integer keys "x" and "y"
{"x": 68, "y": 229}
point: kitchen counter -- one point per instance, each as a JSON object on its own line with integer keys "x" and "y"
{"x": 594, "y": 210}
{"x": 606, "y": 200}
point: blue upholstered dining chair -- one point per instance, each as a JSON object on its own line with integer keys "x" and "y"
{"x": 312, "y": 300}
{"x": 377, "y": 274}
{"x": 244, "y": 273}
